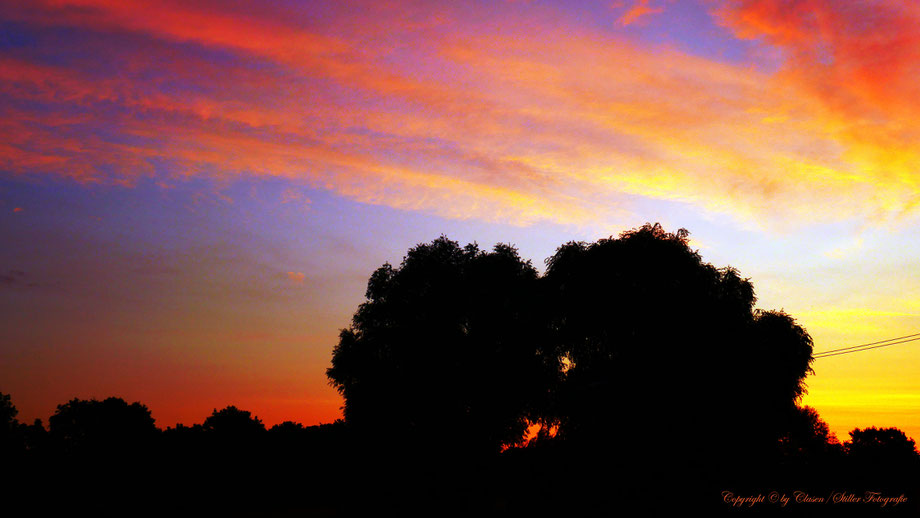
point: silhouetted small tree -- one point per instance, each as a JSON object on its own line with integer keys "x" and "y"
{"x": 11, "y": 437}
{"x": 881, "y": 446}
{"x": 109, "y": 426}
{"x": 8, "y": 413}
{"x": 231, "y": 422}
{"x": 807, "y": 438}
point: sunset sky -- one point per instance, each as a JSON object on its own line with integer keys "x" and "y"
{"x": 194, "y": 194}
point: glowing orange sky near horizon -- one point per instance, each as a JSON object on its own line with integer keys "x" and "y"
{"x": 781, "y": 133}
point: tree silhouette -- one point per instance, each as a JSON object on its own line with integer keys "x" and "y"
{"x": 8, "y": 413}
{"x": 11, "y": 436}
{"x": 445, "y": 349}
{"x": 807, "y": 438}
{"x": 287, "y": 429}
{"x": 671, "y": 372}
{"x": 232, "y": 422}
{"x": 233, "y": 436}
{"x": 109, "y": 426}
{"x": 881, "y": 445}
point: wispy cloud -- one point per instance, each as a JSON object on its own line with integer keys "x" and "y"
{"x": 639, "y": 10}
{"x": 297, "y": 277}
{"x": 291, "y": 195}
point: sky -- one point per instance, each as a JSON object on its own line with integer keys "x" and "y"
{"x": 194, "y": 194}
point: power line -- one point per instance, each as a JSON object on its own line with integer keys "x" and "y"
{"x": 865, "y": 347}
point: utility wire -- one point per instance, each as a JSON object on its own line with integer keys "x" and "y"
{"x": 870, "y": 343}
{"x": 865, "y": 347}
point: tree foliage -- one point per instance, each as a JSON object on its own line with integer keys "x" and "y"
{"x": 657, "y": 340}
{"x": 445, "y": 349}
{"x": 233, "y": 422}
{"x": 807, "y": 438}
{"x": 10, "y": 437}
{"x": 110, "y": 425}
{"x": 881, "y": 446}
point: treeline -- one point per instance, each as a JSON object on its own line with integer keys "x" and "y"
{"x": 108, "y": 457}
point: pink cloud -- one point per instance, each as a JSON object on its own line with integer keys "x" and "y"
{"x": 291, "y": 195}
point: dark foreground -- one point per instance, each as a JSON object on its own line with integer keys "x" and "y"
{"x": 320, "y": 471}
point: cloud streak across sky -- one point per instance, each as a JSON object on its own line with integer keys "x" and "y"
{"x": 512, "y": 114}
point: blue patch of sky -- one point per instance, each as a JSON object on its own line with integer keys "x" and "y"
{"x": 101, "y": 54}
{"x": 15, "y": 36}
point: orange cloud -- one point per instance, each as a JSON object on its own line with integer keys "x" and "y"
{"x": 297, "y": 277}
{"x": 639, "y": 10}
{"x": 857, "y": 58}
{"x": 858, "y": 63}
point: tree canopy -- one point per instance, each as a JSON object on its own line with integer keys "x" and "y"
{"x": 233, "y": 422}
{"x": 111, "y": 425}
{"x": 445, "y": 349}
{"x": 881, "y": 445}
{"x": 662, "y": 346}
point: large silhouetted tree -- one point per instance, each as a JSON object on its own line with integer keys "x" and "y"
{"x": 672, "y": 375}
{"x": 667, "y": 354}
{"x": 445, "y": 349}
